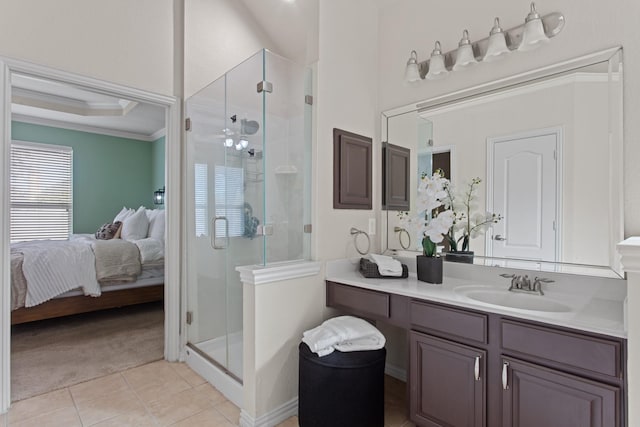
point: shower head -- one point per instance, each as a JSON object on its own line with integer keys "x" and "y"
{"x": 249, "y": 127}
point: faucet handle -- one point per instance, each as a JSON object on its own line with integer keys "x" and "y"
{"x": 537, "y": 284}
{"x": 515, "y": 281}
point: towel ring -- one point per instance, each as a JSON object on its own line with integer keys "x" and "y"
{"x": 401, "y": 230}
{"x": 355, "y": 233}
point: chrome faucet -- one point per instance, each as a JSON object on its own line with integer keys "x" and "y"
{"x": 523, "y": 283}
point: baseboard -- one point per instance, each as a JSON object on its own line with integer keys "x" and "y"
{"x": 396, "y": 372}
{"x": 272, "y": 418}
{"x": 290, "y": 408}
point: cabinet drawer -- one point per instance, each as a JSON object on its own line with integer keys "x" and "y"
{"x": 449, "y": 322}
{"x": 359, "y": 301}
{"x": 584, "y": 353}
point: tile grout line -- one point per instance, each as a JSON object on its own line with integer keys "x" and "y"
{"x": 193, "y": 388}
{"x": 40, "y": 413}
{"x": 146, "y": 408}
{"x": 75, "y": 405}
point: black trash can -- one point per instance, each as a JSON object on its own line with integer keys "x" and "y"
{"x": 341, "y": 389}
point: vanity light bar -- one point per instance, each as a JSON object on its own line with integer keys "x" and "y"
{"x": 553, "y": 24}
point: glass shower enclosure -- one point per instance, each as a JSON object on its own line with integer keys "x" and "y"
{"x": 248, "y": 155}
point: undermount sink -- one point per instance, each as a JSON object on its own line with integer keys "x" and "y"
{"x": 521, "y": 301}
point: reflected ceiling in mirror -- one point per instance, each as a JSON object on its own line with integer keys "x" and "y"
{"x": 547, "y": 146}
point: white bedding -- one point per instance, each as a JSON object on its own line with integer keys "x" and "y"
{"x": 50, "y": 269}
{"x": 54, "y": 267}
{"x": 150, "y": 249}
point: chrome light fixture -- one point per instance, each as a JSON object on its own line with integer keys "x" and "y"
{"x": 497, "y": 45}
{"x": 533, "y": 35}
{"x": 536, "y": 31}
{"x": 464, "y": 54}
{"x": 437, "y": 68}
{"x": 158, "y": 196}
{"x": 412, "y": 72}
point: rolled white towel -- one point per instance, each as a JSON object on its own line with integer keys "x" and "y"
{"x": 387, "y": 266}
{"x": 344, "y": 333}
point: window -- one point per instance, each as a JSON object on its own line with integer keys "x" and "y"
{"x": 41, "y": 191}
{"x": 229, "y": 187}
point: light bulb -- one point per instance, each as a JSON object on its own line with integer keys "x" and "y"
{"x": 412, "y": 71}
{"x": 464, "y": 55}
{"x": 437, "y": 67}
{"x": 533, "y": 35}
{"x": 497, "y": 46}
{"x": 228, "y": 142}
{"x": 238, "y": 146}
{"x": 244, "y": 143}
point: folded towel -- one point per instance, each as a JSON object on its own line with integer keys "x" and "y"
{"x": 387, "y": 266}
{"x": 344, "y": 333}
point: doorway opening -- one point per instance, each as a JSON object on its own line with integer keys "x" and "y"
{"x": 116, "y": 138}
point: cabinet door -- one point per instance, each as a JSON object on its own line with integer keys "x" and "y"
{"x": 534, "y": 396}
{"x": 447, "y": 383}
{"x": 396, "y": 178}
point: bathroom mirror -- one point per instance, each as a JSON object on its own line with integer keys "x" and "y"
{"x": 548, "y": 147}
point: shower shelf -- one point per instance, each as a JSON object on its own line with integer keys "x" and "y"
{"x": 286, "y": 170}
{"x": 254, "y": 176}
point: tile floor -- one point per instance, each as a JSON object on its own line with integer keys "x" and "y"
{"x": 157, "y": 394}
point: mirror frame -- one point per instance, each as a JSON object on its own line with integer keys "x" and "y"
{"x": 614, "y": 270}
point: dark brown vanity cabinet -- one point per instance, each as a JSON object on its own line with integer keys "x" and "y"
{"x": 469, "y": 368}
{"x": 537, "y": 396}
{"x": 447, "y": 386}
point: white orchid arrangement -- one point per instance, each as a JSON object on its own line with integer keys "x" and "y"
{"x": 432, "y": 225}
{"x": 463, "y": 205}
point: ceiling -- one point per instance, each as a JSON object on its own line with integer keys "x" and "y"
{"x": 287, "y": 23}
{"x": 51, "y": 103}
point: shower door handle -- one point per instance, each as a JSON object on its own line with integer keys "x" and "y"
{"x": 214, "y": 243}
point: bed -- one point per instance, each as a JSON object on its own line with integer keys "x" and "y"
{"x": 89, "y": 272}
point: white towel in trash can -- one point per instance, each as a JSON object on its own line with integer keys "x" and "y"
{"x": 344, "y": 333}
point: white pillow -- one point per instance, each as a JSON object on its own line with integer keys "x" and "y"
{"x": 157, "y": 224}
{"x": 123, "y": 214}
{"x": 135, "y": 227}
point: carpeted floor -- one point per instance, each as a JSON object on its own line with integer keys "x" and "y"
{"x": 57, "y": 353}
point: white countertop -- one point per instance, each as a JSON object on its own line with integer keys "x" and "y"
{"x": 594, "y": 305}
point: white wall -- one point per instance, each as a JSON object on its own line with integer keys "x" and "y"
{"x": 219, "y": 34}
{"x": 120, "y": 41}
{"x": 347, "y": 99}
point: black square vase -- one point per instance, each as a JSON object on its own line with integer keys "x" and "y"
{"x": 429, "y": 269}
{"x": 460, "y": 256}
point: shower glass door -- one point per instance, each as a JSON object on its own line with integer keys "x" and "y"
{"x": 225, "y": 207}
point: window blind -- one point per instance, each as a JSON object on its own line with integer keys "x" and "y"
{"x": 229, "y": 190}
{"x": 41, "y": 191}
{"x": 201, "y": 200}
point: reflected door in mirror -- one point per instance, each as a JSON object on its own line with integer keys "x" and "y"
{"x": 524, "y": 184}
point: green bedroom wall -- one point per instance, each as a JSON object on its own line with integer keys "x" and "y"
{"x": 108, "y": 172}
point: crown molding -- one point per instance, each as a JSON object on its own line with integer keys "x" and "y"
{"x": 86, "y": 128}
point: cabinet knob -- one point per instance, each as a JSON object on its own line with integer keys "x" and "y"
{"x": 476, "y": 369}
